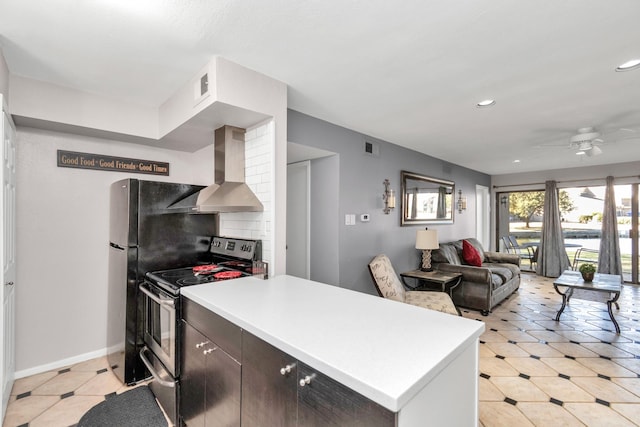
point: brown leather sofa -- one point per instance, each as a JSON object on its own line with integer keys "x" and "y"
{"x": 484, "y": 287}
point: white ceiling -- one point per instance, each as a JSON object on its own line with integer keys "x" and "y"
{"x": 406, "y": 72}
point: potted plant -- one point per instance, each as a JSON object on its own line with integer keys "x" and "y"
{"x": 587, "y": 270}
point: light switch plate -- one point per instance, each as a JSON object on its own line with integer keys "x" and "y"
{"x": 350, "y": 219}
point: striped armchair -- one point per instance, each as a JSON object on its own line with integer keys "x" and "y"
{"x": 389, "y": 286}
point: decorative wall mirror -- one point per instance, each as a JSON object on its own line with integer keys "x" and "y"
{"x": 426, "y": 200}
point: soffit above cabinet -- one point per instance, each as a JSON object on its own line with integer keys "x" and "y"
{"x": 235, "y": 96}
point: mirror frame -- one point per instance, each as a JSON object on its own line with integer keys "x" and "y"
{"x": 405, "y": 220}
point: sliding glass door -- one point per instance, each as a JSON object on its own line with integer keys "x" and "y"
{"x": 520, "y": 215}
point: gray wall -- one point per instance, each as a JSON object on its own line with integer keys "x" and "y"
{"x": 359, "y": 181}
{"x": 325, "y": 219}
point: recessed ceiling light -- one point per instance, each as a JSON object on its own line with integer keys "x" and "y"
{"x": 486, "y": 103}
{"x": 516, "y": 161}
{"x": 629, "y": 65}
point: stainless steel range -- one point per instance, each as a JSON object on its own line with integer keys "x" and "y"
{"x": 231, "y": 258}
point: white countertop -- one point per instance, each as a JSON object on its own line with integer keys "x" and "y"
{"x": 384, "y": 350}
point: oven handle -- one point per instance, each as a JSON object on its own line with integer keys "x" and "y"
{"x": 155, "y": 374}
{"x": 168, "y": 303}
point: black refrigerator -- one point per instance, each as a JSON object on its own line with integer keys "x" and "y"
{"x": 146, "y": 234}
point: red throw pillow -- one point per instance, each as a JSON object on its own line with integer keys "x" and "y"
{"x": 470, "y": 254}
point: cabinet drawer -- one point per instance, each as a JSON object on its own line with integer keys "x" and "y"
{"x": 219, "y": 330}
{"x": 325, "y": 402}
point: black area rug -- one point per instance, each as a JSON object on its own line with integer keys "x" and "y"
{"x": 133, "y": 408}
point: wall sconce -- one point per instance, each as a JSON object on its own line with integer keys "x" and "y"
{"x": 503, "y": 200}
{"x": 461, "y": 204}
{"x": 426, "y": 240}
{"x": 389, "y": 197}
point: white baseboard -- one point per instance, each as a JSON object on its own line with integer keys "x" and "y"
{"x": 60, "y": 363}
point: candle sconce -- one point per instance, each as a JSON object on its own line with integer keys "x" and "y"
{"x": 461, "y": 204}
{"x": 389, "y": 197}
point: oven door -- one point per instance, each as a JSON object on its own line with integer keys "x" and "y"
{"x": 160, "y": 327}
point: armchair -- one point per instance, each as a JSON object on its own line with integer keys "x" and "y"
{"x": 389, "y": 286}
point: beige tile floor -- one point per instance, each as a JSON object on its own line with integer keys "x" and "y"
{"x": 59, "y": 398}
{"x": 534, "y": 371}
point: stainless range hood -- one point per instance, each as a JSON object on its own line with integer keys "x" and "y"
{"x": 229, "y": 193}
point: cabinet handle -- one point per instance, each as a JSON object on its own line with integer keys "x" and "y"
{"x": 287, "y": 369}
{"x": 9, "y": 284}
{"x": 307, "y": 380}
{"x": 202, "y": 344}
{"x": 209, "y": 350}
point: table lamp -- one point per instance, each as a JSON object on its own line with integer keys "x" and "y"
{"x": 426, "y": 240}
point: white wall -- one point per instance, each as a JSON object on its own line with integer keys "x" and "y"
{"x": 4, "y": 75}
{"x": 63, "y": 243}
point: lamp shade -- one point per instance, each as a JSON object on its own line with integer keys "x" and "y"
{"x": 427, "y": 239}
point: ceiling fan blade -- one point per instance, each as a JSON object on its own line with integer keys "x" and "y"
{"x": 595, "y": 151}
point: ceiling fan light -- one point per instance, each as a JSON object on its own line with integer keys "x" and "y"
{"x": 580, "y": 153}
{"x": 629, "y": 65}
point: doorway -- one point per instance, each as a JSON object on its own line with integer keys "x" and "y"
{"x": 298, "y": 210}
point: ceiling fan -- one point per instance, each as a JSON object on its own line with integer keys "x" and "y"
{"x": 589, "y": 141}
{"x": 586, "y": 142}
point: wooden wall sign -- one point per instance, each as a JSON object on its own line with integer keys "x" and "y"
{"x": 73, "y": 159}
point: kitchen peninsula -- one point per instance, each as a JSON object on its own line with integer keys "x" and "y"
{"x": 408, "y": 365}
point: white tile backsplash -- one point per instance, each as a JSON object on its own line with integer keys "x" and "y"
{"x": 259, "y": 143}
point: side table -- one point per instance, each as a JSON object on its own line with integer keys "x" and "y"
{"x": 446, "y": 281}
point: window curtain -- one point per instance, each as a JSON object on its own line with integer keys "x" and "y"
{"x": 609, "y": 260}
{"x": 414, "y": 204}
{"x": 442, "y": 202}
{"x": 552, "y": 255}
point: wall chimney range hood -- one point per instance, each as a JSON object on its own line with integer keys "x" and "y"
{"x": 229, "y": 193}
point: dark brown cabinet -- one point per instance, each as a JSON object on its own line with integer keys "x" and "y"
{"x": 323, "y": 401}
{"x": 211, "y": 377}
{"x": 230, "y": 377}
{"x": 278, "y": 390}
{"x": 269, "y": 378}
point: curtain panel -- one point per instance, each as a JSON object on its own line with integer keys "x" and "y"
{"x": 552, "y": 255}
{"x": 609, "y": 259}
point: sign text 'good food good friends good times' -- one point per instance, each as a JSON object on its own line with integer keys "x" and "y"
{"x": 73, "y": 159}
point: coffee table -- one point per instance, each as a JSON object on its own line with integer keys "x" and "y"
{"x": 602, "y": 283}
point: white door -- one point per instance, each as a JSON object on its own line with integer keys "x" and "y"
{"x": 8, "y": 248}
{"x": 298, "y": 210}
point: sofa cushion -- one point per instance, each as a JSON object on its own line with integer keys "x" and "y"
{"x": 446, "y": 253}
{"x": 470, "y": 254}
{"x": 478, "y": 246}
{"x": 496, "y": 281}
{"x": 504, "y": 272}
